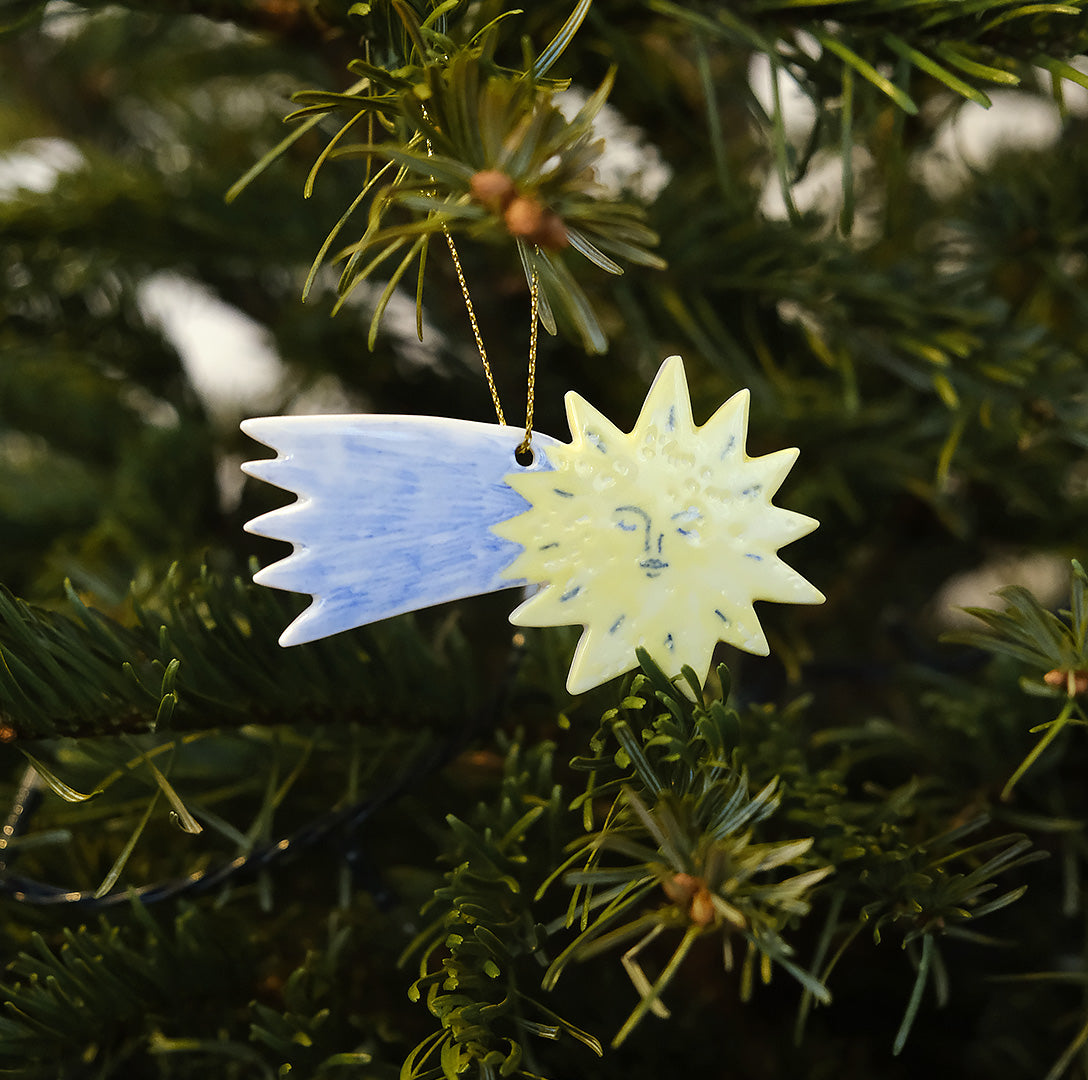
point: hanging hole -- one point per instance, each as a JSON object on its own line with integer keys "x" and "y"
{"x": 524, "y": 456}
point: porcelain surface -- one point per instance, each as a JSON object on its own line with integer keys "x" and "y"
{"x": 393, "y": 513}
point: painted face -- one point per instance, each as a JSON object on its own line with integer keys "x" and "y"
{"x": 637, "y": 520}
{"x": 661, "y": 539}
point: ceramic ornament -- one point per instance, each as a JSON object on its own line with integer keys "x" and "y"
{"x": 393, "y": 513}
{"x": 663, "y": 537}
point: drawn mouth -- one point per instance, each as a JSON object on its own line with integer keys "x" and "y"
{"x": 653, "y": 567}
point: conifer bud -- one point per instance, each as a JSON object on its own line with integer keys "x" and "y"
{"x": 524, "y": 216}
{"x": 492, "y": 189}
{"x": 527, "y": 218}
{"x": 702, "y": 907}
{"x": 680, "y": 888}
{"x": 1073, "y": 682}
{"x": 552, "y": 233}
{"x": 692, "y": 894}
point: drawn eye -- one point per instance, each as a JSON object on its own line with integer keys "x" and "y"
{"x": 690, "y": 516}
{"x": 631, "y": 518}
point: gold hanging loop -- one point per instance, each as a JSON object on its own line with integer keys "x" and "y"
{"x": 525, "y": 446}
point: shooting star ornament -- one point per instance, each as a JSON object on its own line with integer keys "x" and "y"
{"x": 662, "y": 537}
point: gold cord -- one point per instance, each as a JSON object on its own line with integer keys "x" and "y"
{"x": 475, "y": 326}
{"x": 525, "y": 445}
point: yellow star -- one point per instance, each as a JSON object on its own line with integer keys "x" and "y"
{"x": 663, "y": 537}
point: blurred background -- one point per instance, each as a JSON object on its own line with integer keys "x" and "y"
{"x": 904, "y": 290}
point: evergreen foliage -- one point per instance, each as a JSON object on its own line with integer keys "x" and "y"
{"x": 406, "y": 851}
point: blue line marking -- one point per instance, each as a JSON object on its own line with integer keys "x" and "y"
{"x": 570, "y": 594}
{"x": 721, "y": 616}
{"x": 749, "y": 555}
{"x": 755, "y": 489}
{"x": 671, "y": 423}
{"x": 544, "y": 547}
{"x": 616, "y": 625}
{"x": 670, "y": 643}
{"x": 729, "y": 445}
{"x": 596, "y": 441}
{"x": 565, "y": 494}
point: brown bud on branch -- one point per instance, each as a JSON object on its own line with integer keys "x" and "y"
{"x": 1072, "y": 682}
{"x": 531, "y": 221}
{"x": 492, "y": 189}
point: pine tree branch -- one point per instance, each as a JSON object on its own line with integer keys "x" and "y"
{"x": 208, "y": 658}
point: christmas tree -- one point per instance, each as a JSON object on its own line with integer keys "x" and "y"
{"x": 407, "y": 849}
